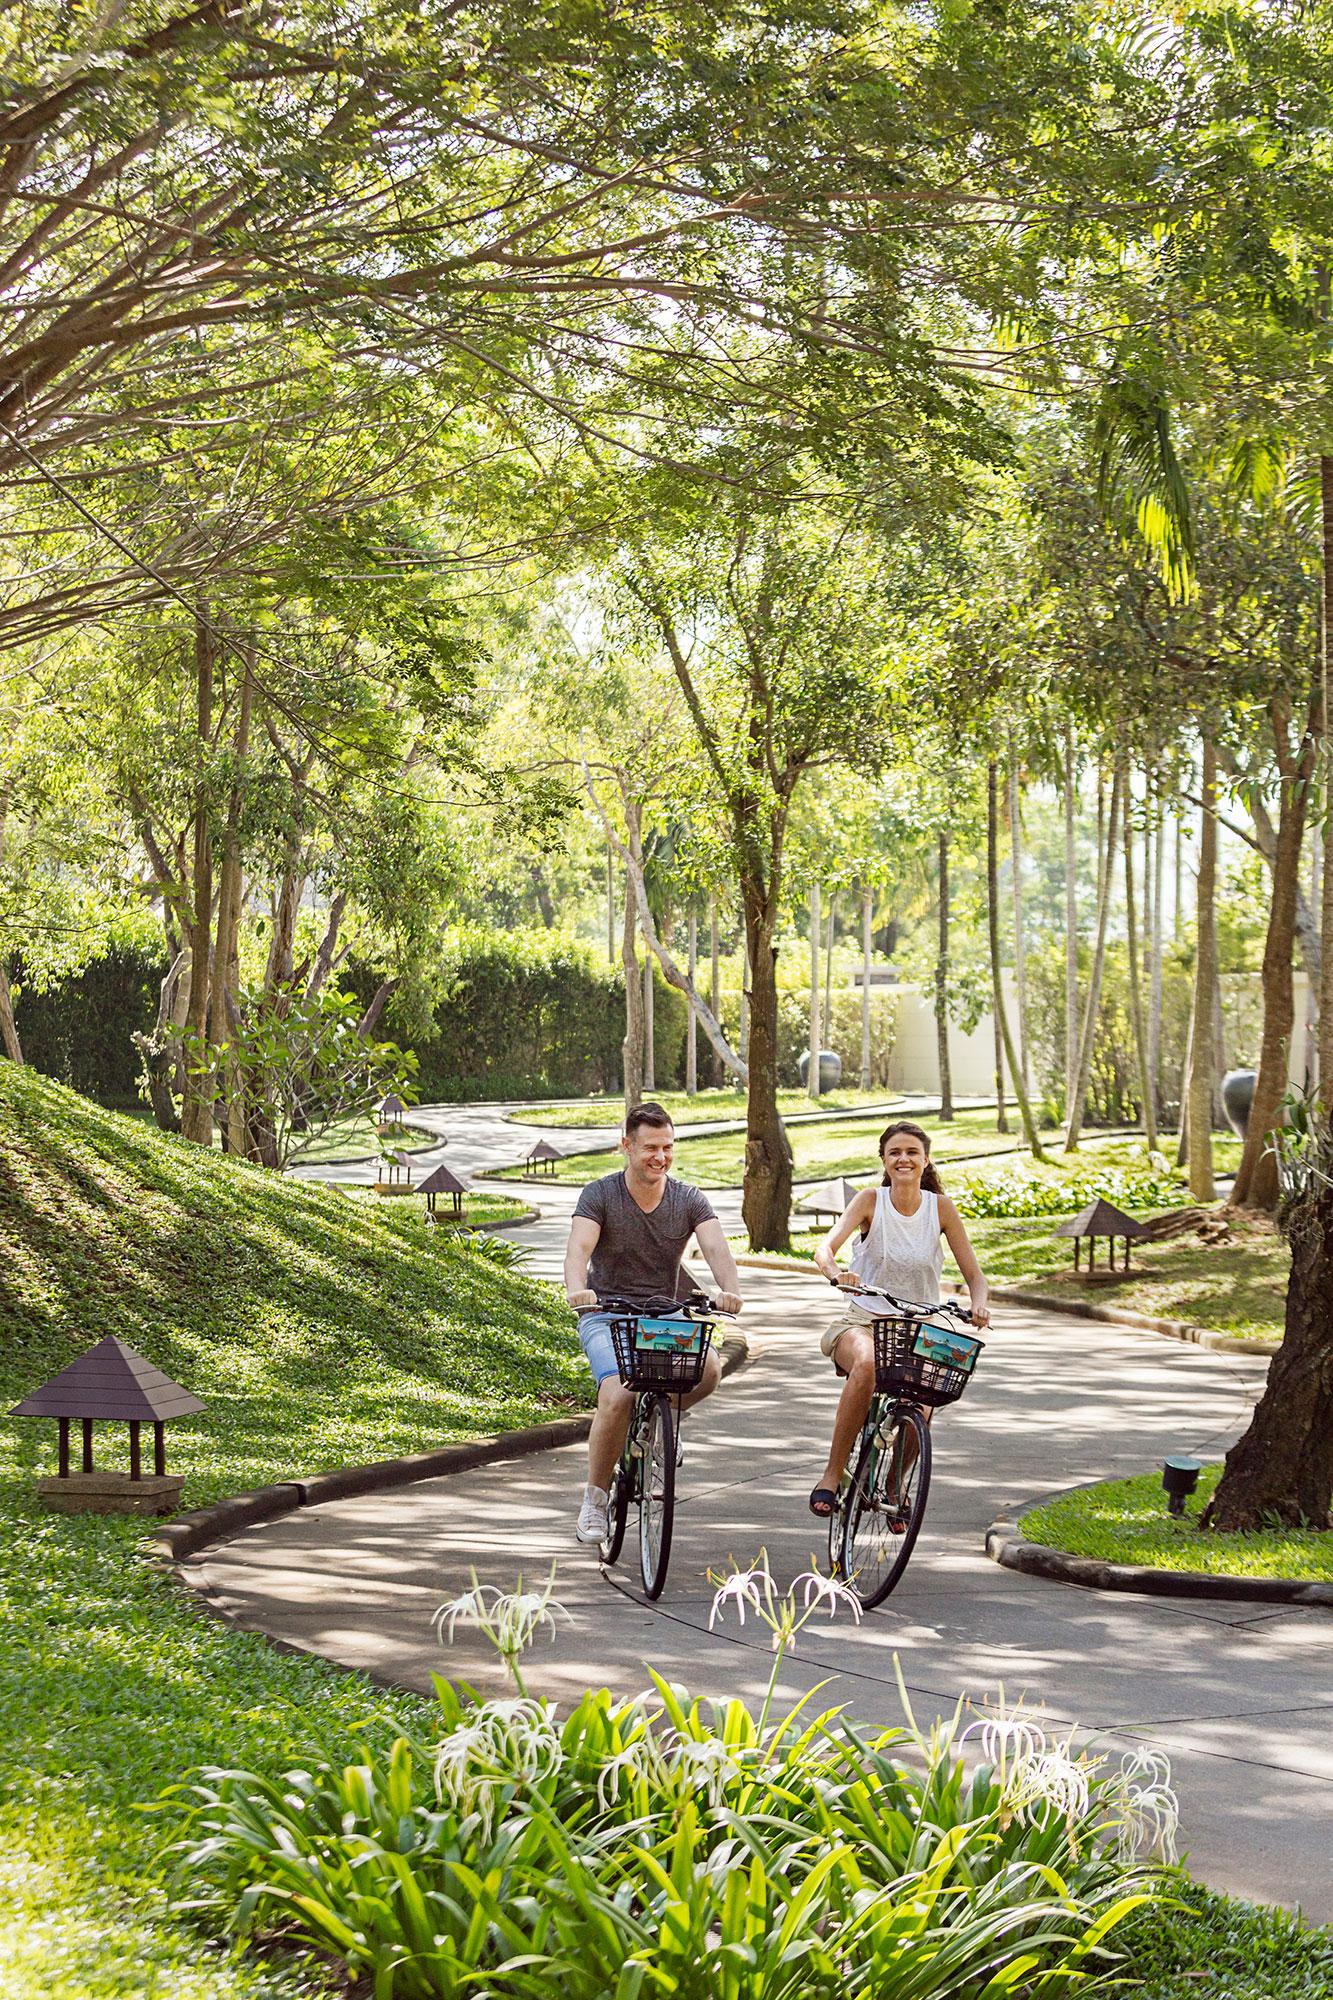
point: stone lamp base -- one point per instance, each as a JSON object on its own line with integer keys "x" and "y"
{"x": 112, "y": 1493}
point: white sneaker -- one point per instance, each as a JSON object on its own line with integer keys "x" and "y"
{"x": 592, "y": 1525}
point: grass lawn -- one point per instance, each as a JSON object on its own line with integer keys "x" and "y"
{"x": 1237, "y": 1287}
{"x": 819, "y": 1149}
{"x": 701, "y": 1109}
{"x": 358, "y": 1139}
{"x": 1125, "y": 1520}
{"x": 320, "y": 1330}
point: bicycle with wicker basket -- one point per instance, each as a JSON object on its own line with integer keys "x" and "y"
{"x": 921, "y": 1363}
{"x": 661, "y": 1353}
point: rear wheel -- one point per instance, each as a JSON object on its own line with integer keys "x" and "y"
{"x": 886, "y": 1505}
{"x": 658, "y": 1498}
{"x": 617, "y": 1514}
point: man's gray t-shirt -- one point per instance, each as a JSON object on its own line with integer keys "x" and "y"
{"x": 638, "y": 1252}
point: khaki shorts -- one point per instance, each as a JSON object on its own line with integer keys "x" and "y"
{"x": 853, "y": 1316}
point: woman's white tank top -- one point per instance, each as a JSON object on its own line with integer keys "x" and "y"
{"x": 903, "y": 1254}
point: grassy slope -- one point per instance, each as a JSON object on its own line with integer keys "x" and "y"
{"x": 319, "y": 1330}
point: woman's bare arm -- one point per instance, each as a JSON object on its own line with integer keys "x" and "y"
{"x": 858, "y": 1211}
{"x": 978, "y": 1291}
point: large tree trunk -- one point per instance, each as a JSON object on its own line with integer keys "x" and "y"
{"x": 867, "y": 963}
{"x": 226, "y": 959}
{"x": 1282, "y": 1469}
{"x": 1020, "y": 952}
{"x": 649, "y": 1027}
{"x": 9, "y": 1034}
{"x": 942, "y": 983}
{"x": 1155, "y": 940}
{"x": 1326, "y": 705}
{"x": 1256, "y": 1183}
{"x": 692, "y": 1024}
{"x": 997, "y": 977}
{"x": 827, "y": 1019}
{"x": 766, "y": 1200}
{"x": 200, "y": 1083}
{"x": 1071, "y": 925}
{"x": 717, "y": 1072}
{"x": 1202, "y": 1061}
{"x": 1092, "y": 1004}
{"x": 1149, "y": 1110}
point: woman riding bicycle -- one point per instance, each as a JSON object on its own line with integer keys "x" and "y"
{"x": 901, "y": 1224}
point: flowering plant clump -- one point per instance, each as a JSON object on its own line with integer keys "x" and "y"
{"x": 1147, "y": 1183}
{"x": 668, "y": 1845}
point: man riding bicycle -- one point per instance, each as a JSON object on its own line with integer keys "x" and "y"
{"x": 628, "y": 1235}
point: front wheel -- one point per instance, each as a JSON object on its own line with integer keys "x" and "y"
{"x": 657, "y": 1502}
{"x": 617, "y": 1514}
{"x": 886, "y": 1504}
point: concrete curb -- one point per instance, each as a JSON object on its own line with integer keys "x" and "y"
{"x": 1006, "y": 1545}
{"x": 1173, "y": 1329}
{"x": 189, "y": 1534}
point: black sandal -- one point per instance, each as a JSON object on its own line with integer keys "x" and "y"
{"x": 822, "y": 1501}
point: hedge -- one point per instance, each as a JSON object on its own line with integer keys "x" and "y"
{"x": 534, "y": 1014}
{"x": 80, "y": 1031}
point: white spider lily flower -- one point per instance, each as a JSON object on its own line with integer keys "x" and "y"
{"x": 1053, "y": 1778}
{"x": 752, "y": 1586}
{"x": 469, "y": 1609}
{"x": 1149, "y": 1808}
{"x": 815, "y": 1590}
{"x": 704, "y": 1765}
{"x": 505, "y": 1744}
{"x": 1007, "y": 1740}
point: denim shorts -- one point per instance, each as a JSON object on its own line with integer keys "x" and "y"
{"x": 596, "y": 1342}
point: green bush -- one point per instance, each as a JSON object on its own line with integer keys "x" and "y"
{"x": 664, "y": 1846}
{"x": 1151, "y": 1184}
{"x": 535, "y": 1014}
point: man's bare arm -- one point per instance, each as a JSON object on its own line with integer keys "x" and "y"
{"x": 583, "y": 1238}
{"x": 716, "y": 1252}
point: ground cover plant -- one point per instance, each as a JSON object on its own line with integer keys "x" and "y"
{"x": 665, "y": 1845}
{"x": 320, "y": 1329}
{"x": 358, "y": 1139}
{"x": 1125, "y": 1520}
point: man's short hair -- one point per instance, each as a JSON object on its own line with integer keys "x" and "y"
{"x": 655, "y": 1115}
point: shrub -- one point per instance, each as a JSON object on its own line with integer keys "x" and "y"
{"x": 1150, "y": 1184}
{"x": 663, "y": 1845}
{"x": 79, "y": 1030}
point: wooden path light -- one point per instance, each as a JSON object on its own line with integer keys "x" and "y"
{"x": 443, "y": 1181}
{"x": 395, "y": 1174}
{"x": 1102, "y": 1218}
{"x": 541, "y": 1160}
{"x": 111, "y": 1384}
{"x": 389, "y": 1113}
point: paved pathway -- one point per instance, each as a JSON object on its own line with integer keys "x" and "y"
{"x": 1240, "y": 1696}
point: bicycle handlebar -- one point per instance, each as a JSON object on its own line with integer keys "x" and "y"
{"x": 697, "y": 1305}
{"x": 905, "y": 1308}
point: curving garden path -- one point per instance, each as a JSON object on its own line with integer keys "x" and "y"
{"x": 1239, "y": 1696}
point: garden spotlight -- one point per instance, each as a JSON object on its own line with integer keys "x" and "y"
{"x": 1180, "y": 1476}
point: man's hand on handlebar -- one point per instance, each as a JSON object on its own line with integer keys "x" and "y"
{"x": 581, "y": 1301}
{"x": 728, "y": 1302}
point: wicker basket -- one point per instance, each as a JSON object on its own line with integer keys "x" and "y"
{"x": 900, "y": 1370}
{"x": 674, "y": 1370}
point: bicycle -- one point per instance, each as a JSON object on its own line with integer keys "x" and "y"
{"x": 881, "y": 1504}
{"x": 660, "y": 1353}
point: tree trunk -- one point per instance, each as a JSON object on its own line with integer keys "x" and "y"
{"x": 9, "y": 1034}
{"x": 1020, "y": 953}
{"x": 692, "y": 1024}
{"x": 1256, "y": 1184}
{"x": 631, "y": 1048}
{"x": 200, "y": 1083}
{"x": 766, "y": 1199}
{"x": 1183, "y": 1143}
{"x": 1177, "y": 907}
{"x": 867, "y": 965}
{"x": 715, "y": 985}
{"x": 1325, "y": 685}
{"x": 942, "y": 984}
{"x": 610, "y": 906}
{"x": 1155, "y": 941}
{"x": 649, "y": 1027}
{"x": 827, "y": 1023}
{"x": 1202, "y": 1185}
{"x": 1071, "y": 925}
{"x": 997, "y": 979}
{"x": 1092, "y": 1004}
{"x": 226, "y": 961}
{"x": 1282, "y": 1469}
{"x": 812, "y": 1054}
{"x": 1148, "y": 1112}
{"x": 1311, "y": 1063}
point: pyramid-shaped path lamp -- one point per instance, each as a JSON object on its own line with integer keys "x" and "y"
{"x": 443, "y": 1181}
{"x": 1102, "y": 1218}
{"x": 111, "y": 1384}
